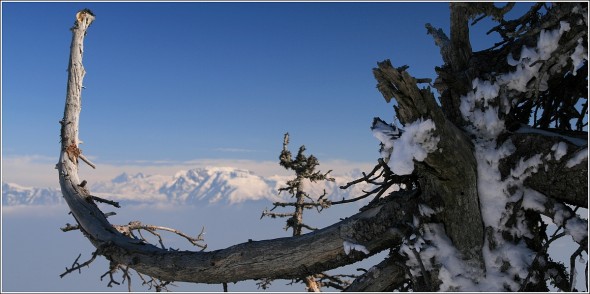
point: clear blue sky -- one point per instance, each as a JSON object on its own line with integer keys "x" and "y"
{"x": 182, "y": 81}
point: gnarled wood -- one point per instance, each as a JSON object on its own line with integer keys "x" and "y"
{"x": 554, "y": 178}
{"x": 284, "y": 258}
{"x": 448, "y": 177}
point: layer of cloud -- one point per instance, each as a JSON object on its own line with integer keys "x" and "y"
{"x": 39, "y": 171}
{"x": 235, "y": 150}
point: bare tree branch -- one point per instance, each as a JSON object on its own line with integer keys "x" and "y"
{"x": 99, "y": 199}
{"x": 77, "y": 266}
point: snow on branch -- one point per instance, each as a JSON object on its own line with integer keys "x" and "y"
{"x": 349, "y": 246}
{"x": 578, "y": 158}
{"x": 401, "y": 148}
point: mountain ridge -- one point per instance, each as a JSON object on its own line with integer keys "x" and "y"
{"x": 209, "y": 185}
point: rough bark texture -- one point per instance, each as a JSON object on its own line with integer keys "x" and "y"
{"x": 383, "y": 277}
{"x": 448, "y": 177}
{"x": 555, "y": 179}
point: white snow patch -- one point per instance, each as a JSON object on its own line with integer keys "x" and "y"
{"x": 348, "y": 246}
{"x": 578, "y": 158}
{"x": 560, "y": 150}
{"x": 517, "y": 255}
{"x": 561, "y": 215}
{"x": 386, "y": 134}
{"x": 425, "y": 210}
{"x": 492, "y": 191}
{"x": 414, "y": 144}
{"x": 577, "y": 228}
{"x": 527, "y": 67}
{"x": 476, "y": 107}
{"x": 526, "y": 167}
{"x": 435, "y": 248}
{"x": 533, "y": 200}
{"x": 494, "y": 198}
{"x": 548, "y": 40}
{"x": 578, "y": 56}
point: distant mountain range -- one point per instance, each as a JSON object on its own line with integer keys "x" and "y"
{"x": 13, "y": 194}
{"x": 223, "y": 185}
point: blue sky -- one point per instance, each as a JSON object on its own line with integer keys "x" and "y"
{"x": 175, "y": 85}
{"x": 174, "y": 82}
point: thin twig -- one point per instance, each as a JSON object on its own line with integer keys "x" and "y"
{"x": 367, "y": 194}
{"x": 78, "y": 266}
{"x": 138, "y": 226}
{"x": 307, "y": 227}
{"x": 112, "y": 269}
{"x": 364, "y": 178}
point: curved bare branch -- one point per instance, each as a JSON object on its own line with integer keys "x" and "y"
{"x": 376, "y": 229}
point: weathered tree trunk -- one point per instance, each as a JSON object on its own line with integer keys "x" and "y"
{"x": 448, "y": 178}
{"x": 91, "y": 219}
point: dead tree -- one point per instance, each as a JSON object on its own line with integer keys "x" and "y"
{"x": 504, "y": 145}
{"x": 304, "y": 168}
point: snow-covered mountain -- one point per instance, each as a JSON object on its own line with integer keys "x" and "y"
{"x": 13, "y": 194}
{"x": 135, "y": 188}
{"x": 224, "y": 185}
{"x": 218, "y": 184}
